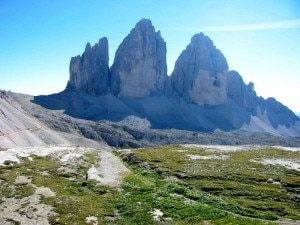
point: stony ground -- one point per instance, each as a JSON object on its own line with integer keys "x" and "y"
{"x": 56, "y": 181}
{"x": 21, "y": 197}
{"x": 134, "y": 132}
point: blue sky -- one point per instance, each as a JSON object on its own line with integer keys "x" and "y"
{"x": 259, "y": 38}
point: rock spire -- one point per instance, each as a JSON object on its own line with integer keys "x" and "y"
{"x": 200, "y": 72}
{"x": 139, "y": 68}
{"x": 89, "y": 73}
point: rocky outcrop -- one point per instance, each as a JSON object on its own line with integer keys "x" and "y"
{"x": 139, "y": 68}
{"x": 200, "y": 72}
{"x": 89, "y": 73}
{"x": 268, "y": 110}
{"x": 200, "y": 95}
{"x": 242, "y": 94}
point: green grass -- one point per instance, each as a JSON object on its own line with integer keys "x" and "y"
{"x": 144, "y": 191}
{"x": 236, "y": 179}
{"x": 229, "y": 191}
{"x": 75, "y": 198}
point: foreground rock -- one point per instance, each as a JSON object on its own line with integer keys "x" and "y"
{"x": 109, "y": 171}
{"x": 24, "y": 205}
{"x": 28, "y": 210}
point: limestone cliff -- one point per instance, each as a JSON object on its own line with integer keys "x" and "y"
{"x": 89, "y": 73}
{"x": 243, "y": 95}
{"x": 139, "y": 68}
{"x": 200, "y": 72}
{"x": 201, "y": 94}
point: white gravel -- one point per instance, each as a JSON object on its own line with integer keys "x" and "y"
{"x": 205, "y": 157}
{"x": 225, "y": 148}
{"x": 292, "y": 164}
{"x": 110, "y": 170}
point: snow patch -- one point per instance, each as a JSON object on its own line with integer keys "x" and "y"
{"x": 292, "y": 149}
{"x": 181, "y": 150}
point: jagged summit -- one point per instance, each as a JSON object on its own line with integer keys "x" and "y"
{"x": 200, "y": 72}
{"x": 200, "y": 94}
{"x": 144, "y": 24}
{"x": 211, "y": 57}
{"x": 89, "y": 72}
{"x": 140, "y": 68}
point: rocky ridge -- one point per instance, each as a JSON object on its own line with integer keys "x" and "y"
{"x": 201, "y": 94}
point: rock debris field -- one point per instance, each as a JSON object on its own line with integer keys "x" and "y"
{"x": 107, "y": 170}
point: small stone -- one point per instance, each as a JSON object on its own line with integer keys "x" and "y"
{"x": 91, "y": 220}
{"x": 270, "y": 181}
{"x": 22, "y": 180}
{"x": 44, "y": 191}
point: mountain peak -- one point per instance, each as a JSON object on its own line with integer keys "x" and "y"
{"x": 139, "y": 68}
{"x": 200, "y": 71}
{"x": 201, "y": 38}
{"x": 200, "y": 83}
{"x": 144, "y": 23}
{"x": 89, "y": 73}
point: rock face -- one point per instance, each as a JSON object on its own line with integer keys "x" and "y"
{"x": 242, "y": 94}
{"x": 139, "y": 68}
{"x": 200, "y": 95}
{"x": 89, "y": 73}
{"x": 200, "y": 73}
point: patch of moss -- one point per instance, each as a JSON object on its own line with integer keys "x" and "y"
{"x": 220, "y": 191}
{"x": 144, "y": 191}
{"x": 75, "y": 199}
{"x": 237, "y": 178}
{"x": 22, "y": 191}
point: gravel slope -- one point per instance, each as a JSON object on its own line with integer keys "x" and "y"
{"x": 19, "y": 129}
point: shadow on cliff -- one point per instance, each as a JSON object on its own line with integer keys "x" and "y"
{"x": 161, "y": 111}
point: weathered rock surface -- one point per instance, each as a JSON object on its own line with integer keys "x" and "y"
{"x": 90, "y": 72}
{"x": 30, "y": 209}
{"x": 200, "y": 72}
{"x": 200, "y": 94}
{"x": 20, "y": 129}
{"x": 139, "y": 68}
{"x": 270, "y": 111}
{"x": 242, "y": 94}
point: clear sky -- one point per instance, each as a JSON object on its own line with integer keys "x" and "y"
{"x": 259, "y": 38}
